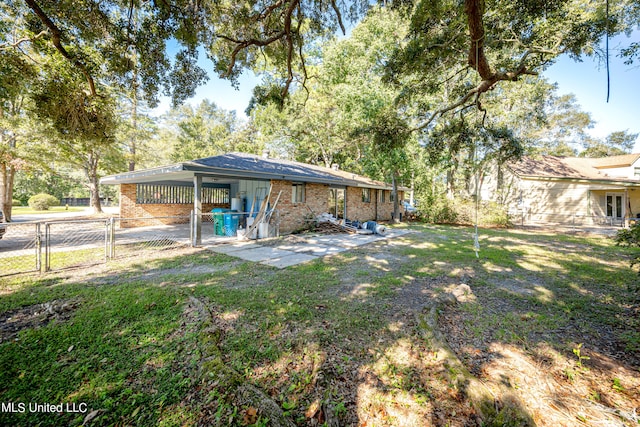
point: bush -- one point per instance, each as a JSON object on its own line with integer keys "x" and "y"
{"x": 16, "y": 202}
{"x": 42, "y": 202}
{"x": 630, "y": 237}
{"x": 463, "y": 212}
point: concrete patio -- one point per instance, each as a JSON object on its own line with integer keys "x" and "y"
{"x": 304, "y": 249}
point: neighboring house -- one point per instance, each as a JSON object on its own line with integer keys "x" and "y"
{"x": 306, "y": 190}
{"x": 568, "y": 189}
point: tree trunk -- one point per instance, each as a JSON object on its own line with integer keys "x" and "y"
{"x": 94, "y": 187}
{"x": 134, "y": 115}
{"x": 396, "y": 202}
{"x": 7, "y": 174}
{"x": 412, "y": 195}
{"x": 451, "y": 190}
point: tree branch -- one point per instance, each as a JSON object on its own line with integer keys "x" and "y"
{"x": 474, "y": 9}
{"x": 56, "y": 39}
{"x": 23, "y": 40}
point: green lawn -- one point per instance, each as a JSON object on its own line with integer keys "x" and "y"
{"x": 336, "y": 338}
{"x": 26, "y": 210}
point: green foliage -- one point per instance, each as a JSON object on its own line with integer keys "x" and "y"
{"x": 59, "y": 184}
{"x": 440, "y": 210}
{"x": 42, "y": 202}
{"x": 616, "y": 143}
{"x": 630, "y": 237}
{"x": 16, "y": 202}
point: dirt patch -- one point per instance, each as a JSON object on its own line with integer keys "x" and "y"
{"x": 35, "y": 316}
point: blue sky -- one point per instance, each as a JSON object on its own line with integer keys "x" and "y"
{"x": 587, "y": 80}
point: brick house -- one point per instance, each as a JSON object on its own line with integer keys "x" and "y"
{"x": 214, "y": 182}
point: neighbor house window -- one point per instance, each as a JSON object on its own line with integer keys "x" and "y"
{"x": 366, "y": 195}
{"x": 636, "y": 172}
{"x": 297, "y": 193}
{"x": 382, "y": 196}
{"x": 147, "y": 194}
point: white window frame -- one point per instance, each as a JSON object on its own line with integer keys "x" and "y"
{"x": 614, "y": 210}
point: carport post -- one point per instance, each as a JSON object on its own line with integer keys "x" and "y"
{"x": 197, "y": 210}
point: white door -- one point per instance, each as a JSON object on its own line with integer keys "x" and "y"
{"x": 615, "y": 205}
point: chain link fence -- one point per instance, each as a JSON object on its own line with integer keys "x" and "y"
{"x": 20, "y": 248}
{"x": 56, "y": 245}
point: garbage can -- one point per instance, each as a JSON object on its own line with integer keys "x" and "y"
{"x": 218, "y": 221}
{"x": 231, "y": 220}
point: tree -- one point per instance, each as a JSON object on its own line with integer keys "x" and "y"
{"x": 206, "y": 130}
{"x": 615, "y": 144}
{"x": 464, "y": 50}
{"x": 16, "y": 76}
{"x": 80, "y": 127}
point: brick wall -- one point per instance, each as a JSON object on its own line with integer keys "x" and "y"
{"x": 374, "y": 210}
{"x": 159, "y": 212}
{"x": 293, "y": 215}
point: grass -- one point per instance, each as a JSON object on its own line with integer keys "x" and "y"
{"x": 26, "y": 210}
{"x": 326, "y": 331}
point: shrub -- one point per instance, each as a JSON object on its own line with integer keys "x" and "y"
{"x": 463, "y": 212}
{"x": 42, "y": 202}
{"x": 16, "y": 202}
{"x": 630, "y": 237}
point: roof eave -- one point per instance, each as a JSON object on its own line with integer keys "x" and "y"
{"x": 121, "y": 177}
{"x": 581, "y": 180}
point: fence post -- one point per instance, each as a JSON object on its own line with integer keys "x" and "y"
{"x": 192, "y": 224}
{"x": 106, "y": 241}
{"x": 112, "y": 237}
{"x": 47, "y": 247}
{"x": 38, "y": 248}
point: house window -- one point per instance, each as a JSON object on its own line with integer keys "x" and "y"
{"x": 382, "y": 196}
{"x": 297, "y": 193}
{"x": 636, "y": 172}
{"x": 392, "y": 197}
{"x": 366, "y": 195}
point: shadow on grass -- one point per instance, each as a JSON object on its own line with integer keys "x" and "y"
{"x": 336, "y": 339}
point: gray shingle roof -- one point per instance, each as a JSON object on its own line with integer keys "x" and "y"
{"x": 243, "y": 165}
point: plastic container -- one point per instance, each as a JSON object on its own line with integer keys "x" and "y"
{"x": 237, "y": 204}
{"x": 218, "y": 221}
{"x": 263, "y": 230}
{"x": 254, "y": 234}
{"x": 231, "y": 221}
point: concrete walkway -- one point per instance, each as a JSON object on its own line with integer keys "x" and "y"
{"x": 312, "y": 247}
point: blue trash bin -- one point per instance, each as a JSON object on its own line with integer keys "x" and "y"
{"x": 231, "y": 220}
{"x": 218, "y": 221}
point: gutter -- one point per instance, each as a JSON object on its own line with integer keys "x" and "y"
{"x": 580, "y": 180}
{"x": 233, "y": 173}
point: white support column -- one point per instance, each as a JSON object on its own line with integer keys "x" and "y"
{"x": 197, "y": 210}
